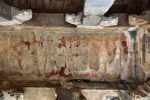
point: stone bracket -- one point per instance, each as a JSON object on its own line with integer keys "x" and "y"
{"x": 5, "y": 10}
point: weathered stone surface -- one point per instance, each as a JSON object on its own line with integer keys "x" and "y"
{"x": 63, "y": 54}
{"x": 39, "y": 94}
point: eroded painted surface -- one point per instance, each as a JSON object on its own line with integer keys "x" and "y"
{"x": 143, "y": 55}
{"x": 66, "y": 55}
